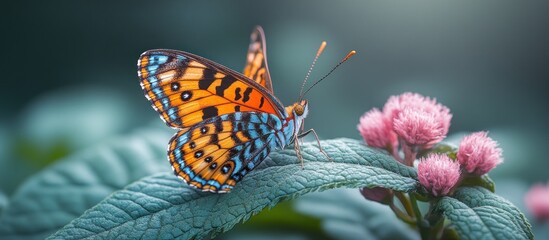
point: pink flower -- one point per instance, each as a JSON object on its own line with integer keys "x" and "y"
{"x": 395, "y": 104}
{"x": 377, "y": 130}
{"x": 438, "y": 174}
{"x": 537, "y": 201}
{"x": 377, "y": 194}
{"x": 419, "y": 128}
{"x": 418, "y": 120}
{"x": 478, "y": 153}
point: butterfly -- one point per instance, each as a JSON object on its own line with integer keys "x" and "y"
{"x": 228, "y": 122}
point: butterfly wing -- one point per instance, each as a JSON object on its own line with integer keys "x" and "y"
{"x": 186, "y": 89}
{"x": 215, "y": 154}
{"x": 256, "y": 60}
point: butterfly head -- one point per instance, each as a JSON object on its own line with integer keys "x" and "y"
{"x": 301, "y": 109}
{"x": 298, "y": 111}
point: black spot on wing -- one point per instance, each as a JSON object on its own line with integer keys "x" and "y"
{"x": 257, "y": 126}
{"x": 261, "y": 101}
{"x": 204, "y": 129}
{"x": 186, "y": 95}
{"x": 233, "y": 152}
{"x": 247, "y": 134}
{"x": 215, "y": 140}
{"x": 225, "y": 83}
{"x": 237, "y": 94}
{"x": 207, "y": 79}
{"x": 175, "y": 86}
{"x": 218, "y": 126}
{"x": 247, "y": 94}
{"x": 209, "y": 112}
{"x": 236, "y": 139}
{"x": 246, "y": 117}
{"x": 225, "y": 169}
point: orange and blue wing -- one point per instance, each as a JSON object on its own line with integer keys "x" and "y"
{"x": 228, "y": 122}
{"x": 217, "y": 153}
{"x": 256, "y": 67}
{"x": 186, "y": 89}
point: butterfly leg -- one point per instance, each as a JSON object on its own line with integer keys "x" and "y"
{"x": 297, "y": 149}
{"x": 302, "y": 129}
{"x": 317, "y": 140}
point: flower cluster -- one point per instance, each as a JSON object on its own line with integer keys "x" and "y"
{"x": 410, "y": 124}
{"x": 409, "y": 121}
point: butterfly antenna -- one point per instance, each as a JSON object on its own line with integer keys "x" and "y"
{"x": 351, "y": 53}
{"x": 320, "y": 50}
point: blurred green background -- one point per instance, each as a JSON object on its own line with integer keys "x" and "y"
{"x": 69, "y": 68}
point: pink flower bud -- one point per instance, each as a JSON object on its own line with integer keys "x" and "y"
{"x": 419, "y": 120}
{"x": 419, "y": 128}
{"x": 377, "y": 130}
{"x": 537, "y": 201}
{"x": 478, "y": 153}
{"x": 377, "y": 194}
{"x": 438, "y": 174}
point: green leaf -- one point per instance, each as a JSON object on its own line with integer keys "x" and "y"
{"x": 482, "y": 181}
{"x": 57, "y": 124}
{"x": 162, "y": 206}
{"x": 442, "y": 148}
{"x": 52, "y": 198}
{"x": 478, "y": 213}
{"x": 346, "y": 214}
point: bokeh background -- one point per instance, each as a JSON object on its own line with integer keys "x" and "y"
{"x": 69, "y": 69}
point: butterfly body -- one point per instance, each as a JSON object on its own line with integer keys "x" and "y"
{"x": 228, "y": 122}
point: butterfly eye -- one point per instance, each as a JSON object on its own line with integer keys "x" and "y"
{"x": 298, "y": 109}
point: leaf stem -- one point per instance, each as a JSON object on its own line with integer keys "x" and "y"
{"x": 421, "y": 224}
{"x": 438, "y": 228}
{"x": 401, "y": 215}
{"x": 405, "y": 202}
